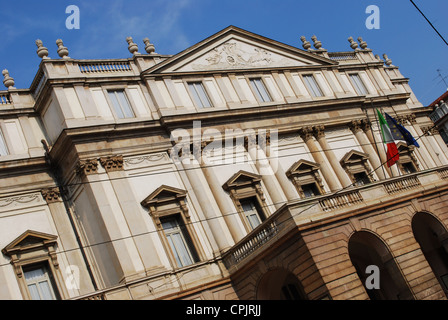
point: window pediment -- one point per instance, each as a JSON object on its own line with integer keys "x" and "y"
{"x": 241, "y": 179}
{"x": 163, "y": 195}
{"x": 302, "y": 167}
{"x": 29, "y": 240}
{"x": 353, "y": 157}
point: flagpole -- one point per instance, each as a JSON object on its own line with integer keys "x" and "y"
{"x": 373, "y": 134}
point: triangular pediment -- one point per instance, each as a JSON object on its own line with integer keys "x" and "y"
{"x": 29, "y": 239}
{"x": 234, "y": 48}
{"x": 164, "y": 194}
{"x": 354, "y": 156}
{"x": 302, "y": 167}
{"x": 241, "y": 178}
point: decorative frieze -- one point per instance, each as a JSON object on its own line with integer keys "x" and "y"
{"x": 20, "y": 200}
{"x": 112, "y": 163}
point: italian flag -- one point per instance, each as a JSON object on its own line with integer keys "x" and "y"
{"x": 388, "y": 140}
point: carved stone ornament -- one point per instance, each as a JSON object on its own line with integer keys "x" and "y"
{"x": 51, "y": 195}
{"x": 42, "y": 52}
{"x": 87, "y": 166}
{"x": 62, "y": 51}
{"x": 353, "y": 44}
{"x": 306, "y": 133}
{"x": 112, "y": 163}
{"x": 305, "y": 44}
{"x": 7, "y": 80}
{"x": 149, "y": 47}
{"x": 362, "y": 43}
{"x": 319, "y": 131}
{"x": 356, "y": 125}
{"x": 132, "y": 47}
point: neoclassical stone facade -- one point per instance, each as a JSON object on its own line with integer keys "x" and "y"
{"x": 240, "y": 168}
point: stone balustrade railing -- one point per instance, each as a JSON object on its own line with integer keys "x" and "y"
{"x": 5, "y": 98}
{"x": 102, "y": 66}
{"x": 342, "y": 56}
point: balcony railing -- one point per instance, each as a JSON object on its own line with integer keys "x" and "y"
{"x": 361, "y": 195}
{"x": 342, "y": 56}
{"x": 5, "y": 98}
{"x": 104, "y": 66}
{"x": 402, "y": 184}
{"x": 338, "y": 201}
{"x": 256, "y": 239}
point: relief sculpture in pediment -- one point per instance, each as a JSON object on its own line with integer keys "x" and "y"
{"x": 231, "y": 55}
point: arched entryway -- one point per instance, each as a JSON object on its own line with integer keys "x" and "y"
{"x": 432, "y": 237}
{"x": 280, "y": 284}
{"x": 366, "y": 249}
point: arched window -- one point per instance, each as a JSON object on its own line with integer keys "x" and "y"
{"x": 366, "y": 249}
{"x": 432, "y": 237}
{"x": 280, "y": 284}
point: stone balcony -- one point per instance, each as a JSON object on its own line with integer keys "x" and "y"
{"x": 304, "y": 213}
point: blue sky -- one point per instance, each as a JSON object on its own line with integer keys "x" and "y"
{"x": 174, "y": 25}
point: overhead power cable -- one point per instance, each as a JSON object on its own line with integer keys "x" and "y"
{"x": 429, "y": 22}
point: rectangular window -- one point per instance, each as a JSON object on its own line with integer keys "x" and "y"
{"x": 310, "y": 190}
{"x": 260, "y": 90}
{"x": 358, "y": 84}
{"x": 3, "y": 147}
{"x": 200, "y": 95}
{"x": 39, "y": 282}
{"x": 361, "y": 178}
{"x": 121, "y": 104}
{"x": 179, "y": 240}
{"x": 252, "y": 211}
{"x": 312, "y": 86}
{"x": 408, "y": 167}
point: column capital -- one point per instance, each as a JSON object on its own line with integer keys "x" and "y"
{"x": 306, "y": 133}
{"x": 87, "y": 166}
{"x": 112, "y": 163}
{"x": 356, "y": 125}
{"x": 319, "y": 131}
{"x": 51, "y": 195}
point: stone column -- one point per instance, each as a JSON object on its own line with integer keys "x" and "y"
{"x": 214, "y": 221}
{"x": 228, "y": 211}
{"x": 68, "y": 239}
{"x": 108, "y": 212}
{"x": 424, "y": 149}
{"x": 267, "y": 173}
{"x": 319, "y": 133}
{"x": 356, "y": 127}
{"x": 306, "y": 134}
{"x": 132, "y": 211}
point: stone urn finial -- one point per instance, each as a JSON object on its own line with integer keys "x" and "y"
{"x": 149, "y": 47}
{"x": 387, "y": 61}
{"x": 305, "y": 44}
{"x": 132, "y": 47}
{"x": 353, "y": 44}
{"x": 362, "y": 43}
{"x": 62, "y": 51}
{"x": 8, "y": 81}
{"x": 42, "y": 52}
{"x": 317, "y": 44}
